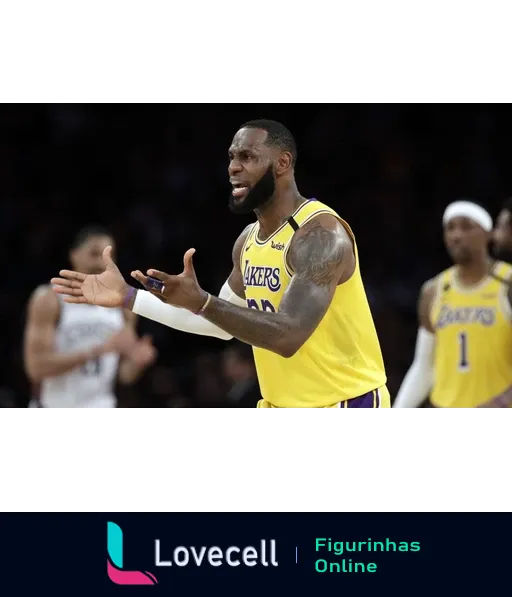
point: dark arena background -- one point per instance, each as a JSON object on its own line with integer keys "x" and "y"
{"x": 156, "y": 175}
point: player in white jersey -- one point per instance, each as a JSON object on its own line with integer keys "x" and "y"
{"x": 75, "y": 353}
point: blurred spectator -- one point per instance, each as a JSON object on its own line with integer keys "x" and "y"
{"x": 239, "y": 370}
{"x": 209, "y": 388}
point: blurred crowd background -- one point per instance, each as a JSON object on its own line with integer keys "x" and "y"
{"x": 156, "y": 175}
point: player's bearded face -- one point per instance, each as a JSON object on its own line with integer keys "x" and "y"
{"x": 463, "y": 253}
{"x": 258, "y": 194}
{"x": 465, "y": 240}
{"x": 88, "y": 259}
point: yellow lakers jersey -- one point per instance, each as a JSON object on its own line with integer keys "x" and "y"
{"x": 342, "y": 358}
{"x": 473, "y": 347}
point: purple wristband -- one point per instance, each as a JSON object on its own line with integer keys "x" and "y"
{"x": 128, "y": 297}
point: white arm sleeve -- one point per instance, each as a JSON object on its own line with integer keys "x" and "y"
{"x": 420, "y": 377}
{"x": 151, "y": 307}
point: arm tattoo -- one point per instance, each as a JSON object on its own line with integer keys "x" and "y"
{"x": 258, "y": 328}
{"x": 317, "y": 255}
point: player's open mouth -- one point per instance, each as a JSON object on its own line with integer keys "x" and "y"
{"x": 240, "y": 190}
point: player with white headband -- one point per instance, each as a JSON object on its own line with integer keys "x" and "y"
{"x": 463, "y": 356}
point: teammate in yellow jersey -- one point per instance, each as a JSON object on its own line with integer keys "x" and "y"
{"x": 295, "y": 292}
{"x": 464, "y": 347}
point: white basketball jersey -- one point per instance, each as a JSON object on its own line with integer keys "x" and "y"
{"x": 81, "y": 327}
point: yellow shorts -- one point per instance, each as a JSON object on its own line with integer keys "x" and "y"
{"x": 378, "y": 398}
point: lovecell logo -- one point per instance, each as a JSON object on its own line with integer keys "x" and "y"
{"x": 115, "y": 561}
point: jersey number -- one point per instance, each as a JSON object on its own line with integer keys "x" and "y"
{"x": 265, "y": 305}
{"x": 463, "y": 352}
{"x": 91, "y": 367}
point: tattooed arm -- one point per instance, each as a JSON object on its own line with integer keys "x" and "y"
{"x": 321, "y": 255}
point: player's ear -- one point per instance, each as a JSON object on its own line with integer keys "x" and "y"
{"x": 284, "y": 163}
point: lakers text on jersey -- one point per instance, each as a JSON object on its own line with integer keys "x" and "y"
{"x": 342, "y": 359}
{"x": 473, "y": 332}
{"x": 81, "y": 327}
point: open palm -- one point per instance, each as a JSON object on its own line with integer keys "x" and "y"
{"x": 107, "y": 289}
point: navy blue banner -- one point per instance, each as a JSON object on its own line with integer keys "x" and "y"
{"x": 240, "y": 554}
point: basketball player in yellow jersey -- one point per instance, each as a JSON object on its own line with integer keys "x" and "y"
{"x": 464, "y": 347}
{"x": 295, "y": 292}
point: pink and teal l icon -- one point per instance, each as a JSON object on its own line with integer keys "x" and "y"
{"x": 115, "y": 561}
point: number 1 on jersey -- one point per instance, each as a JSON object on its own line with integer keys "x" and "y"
{"x": 463, "y": 352}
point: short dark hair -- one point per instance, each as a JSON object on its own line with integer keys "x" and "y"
{"x": 278, "y": 135}
{"x": 88, "y": 232}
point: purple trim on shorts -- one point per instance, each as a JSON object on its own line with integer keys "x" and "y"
{"x": 364, "y": 401}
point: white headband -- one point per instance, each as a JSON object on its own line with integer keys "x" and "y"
{"x": 467, "y": 209}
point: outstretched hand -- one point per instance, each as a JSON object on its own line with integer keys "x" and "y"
{"x": 182, "y": 290}
{"x": 107, "y": 289}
